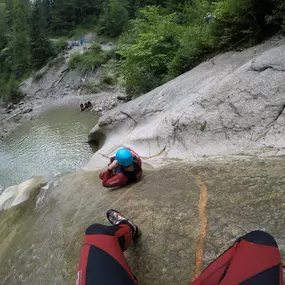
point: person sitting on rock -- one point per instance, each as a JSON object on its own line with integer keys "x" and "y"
{"x": 89, "y": 104}
{"x": 82, "y": 108}
{"x": 86, "y": 105}
{"x": 123, "y": 168}
{"x": 253, "y": 259}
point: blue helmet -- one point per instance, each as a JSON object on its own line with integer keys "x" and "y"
{"x": 124, "y": 157}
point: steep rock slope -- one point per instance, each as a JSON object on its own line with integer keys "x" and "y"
{"x": 231, "y": 104}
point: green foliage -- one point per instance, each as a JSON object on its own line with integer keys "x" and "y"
{"x": 105, "y": 83}
{"x": 3, "y": 26}
{"x": 14, "y": 47}
{"x": 24, "y": 43}
{"x": 96, "y": 48}
{"x": 92, "y": 88}
{"x": 161, "y": 45}
{"x": 58, "y": 46}
{"x": 79, "y": 31}
{"x": 41, "y": 48}
{"x": 155, "y": 39}
{"x": 114, "y": 19}
{"x": 277, "y": 17}
{"x": 193, "y": 12}
{"x": 19, "y": 41}
{"x": 10, "y": 89}
{"x": 107, "y": 78}
{"x": 162, "y": 39}
{"x": 195, "y": 42}
{"x": 241, "y": 20}
{"x": 91, "y": 59}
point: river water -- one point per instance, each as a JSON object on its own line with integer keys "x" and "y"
{"x": 53, "y": 143}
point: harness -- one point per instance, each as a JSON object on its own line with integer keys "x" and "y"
{"x": 132, "y": 175}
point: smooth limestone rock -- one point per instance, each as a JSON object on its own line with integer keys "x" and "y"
{"x": 18, "y": 194}
{"x": 231, "y": 104}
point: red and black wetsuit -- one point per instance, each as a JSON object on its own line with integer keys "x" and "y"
{"x": 121, "y": 177}
{"x": 102, "y": 261}
{"x": 254, "y": 259}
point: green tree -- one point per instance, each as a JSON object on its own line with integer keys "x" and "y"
{"x": 3, "y": 26}
{"x": 277, "y": 17}
{"x": 66, "y": 14}
{"x": 8, "y": 11}
{"x": 63, "y": 16}
{"x": 238, "y": 20}
{"x": 19, "y": 41}
{"x": 114, "y": 18}
{"x": 46, "y": 6}
{"x": 147, "y": 49}
{"x": 40, "y": 45}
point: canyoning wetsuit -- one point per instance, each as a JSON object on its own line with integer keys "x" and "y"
{"x": 102, "y": 261}
{"x": 119, "y": 176}
{"x": 254, "y": 259}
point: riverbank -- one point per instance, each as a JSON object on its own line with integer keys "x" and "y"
{"x": 28, "y": 108}
{"x": 56, "y": 86}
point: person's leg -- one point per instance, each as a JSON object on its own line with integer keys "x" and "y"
{"x": 102, "y": 261}
{"x": 101, "y": 175}
{"x": 254, "y": 259}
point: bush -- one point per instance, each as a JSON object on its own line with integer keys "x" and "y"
{"x": 277, "y": 17}
{"x": 9, "y": 89}
{"x": 95, "y": 47}
{"x": 92, "y": 88}
{"x": 90, "y": 59}
{"x": 241, "y": 20}
{"x": 195, "y": 43}
{"x": 160, "y": 46}
{"x": 59, "y": 46}
{"x": 150, "y": 45}
{"x": 107, "y": 78}
{"x": 105, "y": 83}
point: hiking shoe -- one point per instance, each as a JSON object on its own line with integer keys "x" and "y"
{"x": 116, "y": 218}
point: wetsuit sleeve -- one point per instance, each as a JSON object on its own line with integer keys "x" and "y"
{"x": 114, "y": 181}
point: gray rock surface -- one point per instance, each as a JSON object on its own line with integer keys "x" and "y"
{"x": 18, "y": 194}
{"x": 231, "y": 104}
{"x": 185, "y": 212}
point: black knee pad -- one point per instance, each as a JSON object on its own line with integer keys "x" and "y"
{"x": 98, "y": 229}
{"x": 259, "y": 237}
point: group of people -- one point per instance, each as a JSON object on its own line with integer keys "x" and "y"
{"x": 85, "y": 106}
{"x": 253, "y": 259}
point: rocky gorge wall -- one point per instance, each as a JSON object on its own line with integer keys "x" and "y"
{"x": 231, "y": 104}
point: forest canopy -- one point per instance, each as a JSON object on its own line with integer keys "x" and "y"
{"x": 159, "y": 39}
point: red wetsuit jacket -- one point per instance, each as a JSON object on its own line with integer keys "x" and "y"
{"x": 121, "y": 177}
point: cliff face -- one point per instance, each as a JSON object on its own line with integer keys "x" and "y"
{"x": 231, "y": 104}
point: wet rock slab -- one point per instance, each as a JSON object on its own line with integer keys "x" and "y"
{"x": 168, "y": 205}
